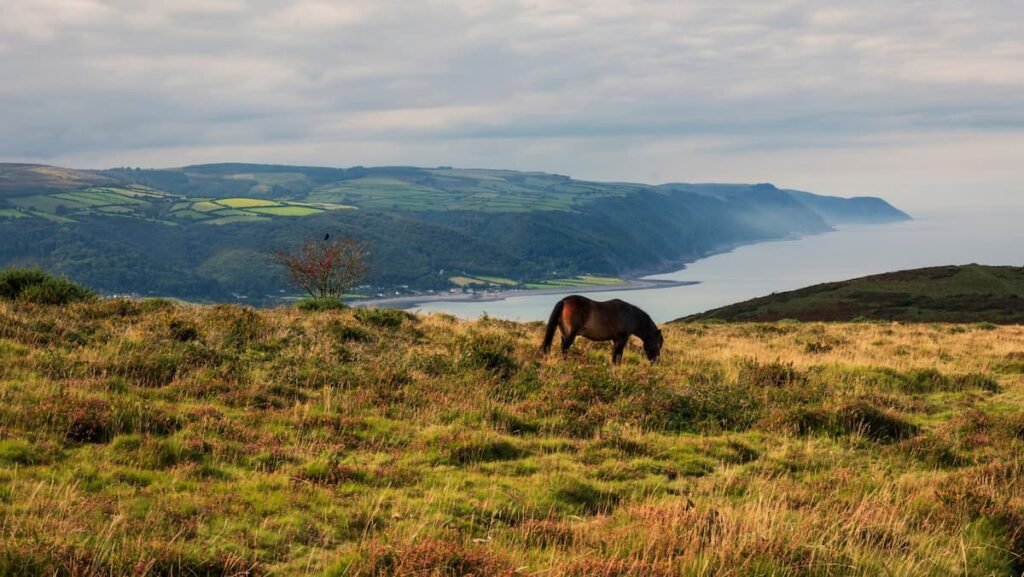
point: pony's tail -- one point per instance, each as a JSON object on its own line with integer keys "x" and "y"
{"x": 549, "y": 334}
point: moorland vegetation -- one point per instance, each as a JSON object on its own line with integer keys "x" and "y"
{"x": 150, "y": 438}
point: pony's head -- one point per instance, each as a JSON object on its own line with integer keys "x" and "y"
{"x": 652, "y": 345}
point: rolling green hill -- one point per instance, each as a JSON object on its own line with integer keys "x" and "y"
{"x": 203, "y": 232}
{"x": 970, "y": 293}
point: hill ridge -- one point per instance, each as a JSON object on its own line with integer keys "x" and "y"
{"x": 951, "y": 293}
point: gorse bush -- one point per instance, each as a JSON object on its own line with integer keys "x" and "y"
{"x": 863, "y": 418}
{"x": 347, "y": 332}
{"x": 15, "y": 280}
{"x": 383, "y": 318}
{"x": 35, "y": 286}
{"x": 490, "y": 351}
{"x": 775, "y": 374}
{"x": 320, "y": 304}
{"x": 183, "y": 330}
{"x": 482, "y": 448}
{"x": 237, "y": 327}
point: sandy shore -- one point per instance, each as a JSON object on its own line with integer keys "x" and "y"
{"x": 412, "y": 301}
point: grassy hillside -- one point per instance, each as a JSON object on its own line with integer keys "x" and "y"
{"x": 27, "y": 179}
{"x": 149, "y": 438}
{"x": 427, "y": 227}
{"x": 970, "y": 293}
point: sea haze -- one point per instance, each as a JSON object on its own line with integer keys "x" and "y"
{"x": 760, "y": 269}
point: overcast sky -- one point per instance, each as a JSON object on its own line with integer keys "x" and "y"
{"x": 921, "y": 102}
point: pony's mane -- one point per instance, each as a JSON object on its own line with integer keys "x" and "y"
{"x": 650, "y": 325}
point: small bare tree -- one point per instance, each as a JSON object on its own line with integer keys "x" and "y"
{"x": 327, "y": 268}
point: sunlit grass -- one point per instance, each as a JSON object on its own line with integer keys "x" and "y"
{"x": 498, "y": 280}
{"x": 287, "y": 210}
{"x": 246, "y": 202}
{"x": 582, "y": 281}
{"x": 154, "y": 438}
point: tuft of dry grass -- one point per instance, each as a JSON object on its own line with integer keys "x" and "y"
{"x": 151, "y": 438}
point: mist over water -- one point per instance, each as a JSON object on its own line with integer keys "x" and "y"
{"x": 761, "y": 269}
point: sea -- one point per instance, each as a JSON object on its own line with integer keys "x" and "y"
{"x": 760, "y": 269}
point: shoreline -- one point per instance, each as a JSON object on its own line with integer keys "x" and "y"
{"x": 638, "y": 279}
{"x": 413, "y": 301}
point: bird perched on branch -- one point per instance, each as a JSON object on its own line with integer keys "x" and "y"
{"x": 327, "y": 236}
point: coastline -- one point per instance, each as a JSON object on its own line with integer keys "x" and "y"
{"x": 637, "y": 279}
{"x": 412, "y": 301}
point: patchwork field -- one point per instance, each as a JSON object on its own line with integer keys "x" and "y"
{"x": 582, "y": 281}
{"x": 150, "y": 438}
{"x": 149, "y": 204}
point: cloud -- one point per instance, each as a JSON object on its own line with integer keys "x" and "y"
{"x": 474, "y": 81}
{"x": 41, "y": 21}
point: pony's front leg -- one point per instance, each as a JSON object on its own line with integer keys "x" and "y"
{"x": 618, "y": 346}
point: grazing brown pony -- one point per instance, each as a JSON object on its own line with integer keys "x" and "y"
{"x": 611, "y": 320}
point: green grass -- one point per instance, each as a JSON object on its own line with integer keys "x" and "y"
{"x": 583, "y": 281}
{"x": 235, "y": 218}
{"x": 464, "y": 281}
{"x": 83, "y": 199}
{"x": 191, "y": 214}
{"x": 51, "y": 217}
{"x": 287, "y": 211}
{"x": 46, "y": 204}
{"x": 224, "y": 211}
{"x": 226, "y": 440}
{"x": 498, "y": 280}
{"x": 101, "y": 197}
{"x": 600, "y": 280}
{"x": 246, "y": 202}
{"x": 206, "y": 206}
{"x": 85, "y": 202}
{"x": 65, "y": 207}
{"x": 12, "y": 213}
{"x": 378, "y": 193}
{"x": 116, "y": 209}
{"x": 136, "y": 191}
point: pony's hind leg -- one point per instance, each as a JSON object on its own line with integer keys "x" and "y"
{"x": 567, "y": 340}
